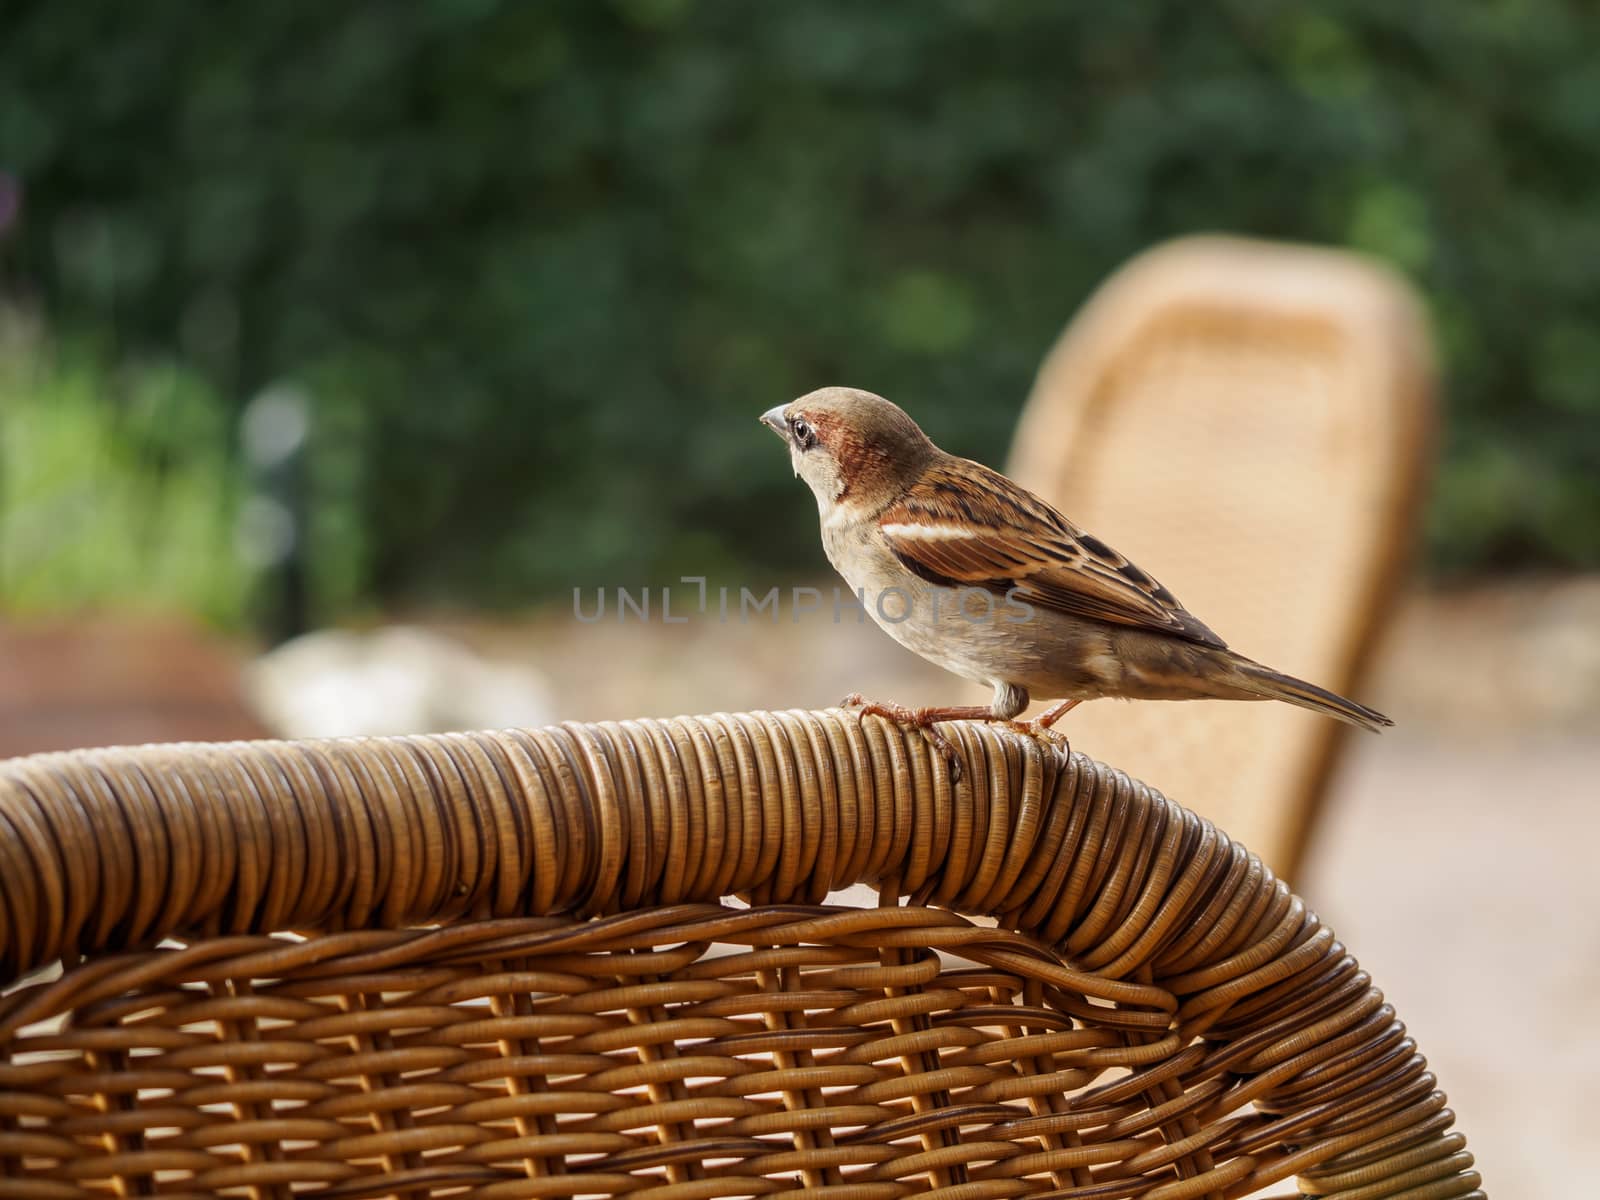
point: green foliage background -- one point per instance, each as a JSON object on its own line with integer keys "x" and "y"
{"x": 541, "y": 264}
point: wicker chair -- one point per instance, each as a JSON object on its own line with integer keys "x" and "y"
{"x": 1252, "y": 422}
{"x": 513, "y": 972}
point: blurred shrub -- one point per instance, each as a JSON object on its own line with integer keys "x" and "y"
{"x": 540, "y": 265}
{"x": 116, "y": 489}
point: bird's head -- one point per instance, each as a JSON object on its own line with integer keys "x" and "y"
{"x": 852, "y": 448}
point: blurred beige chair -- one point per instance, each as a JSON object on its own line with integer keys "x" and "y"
{"x": 1252, "y": 423}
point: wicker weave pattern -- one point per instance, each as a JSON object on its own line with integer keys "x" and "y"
{"x": 1167, "y": 1020}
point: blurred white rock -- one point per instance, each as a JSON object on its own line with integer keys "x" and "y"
{"x": 398, "y": 679}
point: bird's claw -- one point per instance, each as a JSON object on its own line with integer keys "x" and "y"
{"x": 911, "y": 718}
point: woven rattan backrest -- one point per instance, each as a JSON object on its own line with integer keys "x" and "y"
{"x": 1250, "y": 422}
{"x": 514, "y": 973}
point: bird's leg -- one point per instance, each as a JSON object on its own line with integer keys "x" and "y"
{"x": 922, "y": 720}
{"x": 1055, "y": 712}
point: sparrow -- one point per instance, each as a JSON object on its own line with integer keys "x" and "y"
{"x": 981, "y": 577}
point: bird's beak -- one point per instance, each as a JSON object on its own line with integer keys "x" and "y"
{"x": 773, "y": 420}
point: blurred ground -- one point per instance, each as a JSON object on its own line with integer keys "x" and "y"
{"x": 104, "y": 681}
{"x": 1456, "y": 856}
{"x": 1461, "y": 873}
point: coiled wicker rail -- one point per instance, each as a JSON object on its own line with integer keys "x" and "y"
{"x": 513, "y": 974}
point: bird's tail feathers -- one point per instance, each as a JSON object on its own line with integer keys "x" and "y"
{"x": 1274, "y": 685}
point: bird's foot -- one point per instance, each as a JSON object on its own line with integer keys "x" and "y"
{"x": 1053, "y": 739}
{"x": 923, "y": 721}
{"x": 1042, "y": 728}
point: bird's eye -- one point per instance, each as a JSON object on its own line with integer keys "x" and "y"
{"x": 804, "y": 436}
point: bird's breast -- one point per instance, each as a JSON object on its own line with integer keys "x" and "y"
{"x": 972, "y": 631}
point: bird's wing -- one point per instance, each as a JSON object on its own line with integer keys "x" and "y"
{"x": 964, "y": 525}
